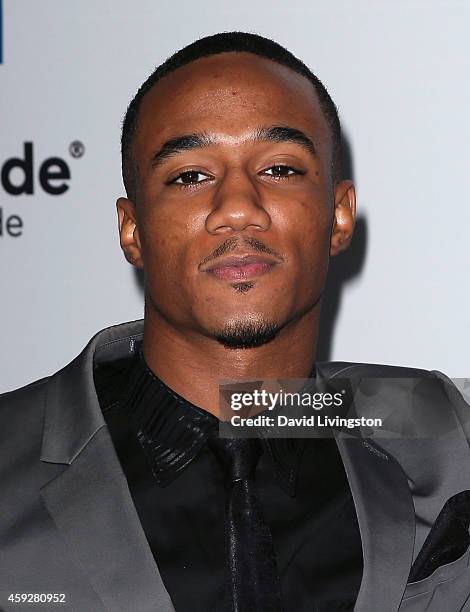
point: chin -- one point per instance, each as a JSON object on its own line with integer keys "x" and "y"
{"x": 246, "y": 333}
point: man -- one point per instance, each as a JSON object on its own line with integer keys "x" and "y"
{"x": 117, "y": 492}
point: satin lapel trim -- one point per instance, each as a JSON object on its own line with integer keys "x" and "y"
{"x": 385, "y": 513}
{"x": 92, "y": 507}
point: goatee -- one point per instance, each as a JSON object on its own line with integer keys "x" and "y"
{"x": 246, "y": 334}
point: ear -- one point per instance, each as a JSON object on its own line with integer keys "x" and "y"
{"x": 344, "y": 216}
{"x": 129, "y": 232}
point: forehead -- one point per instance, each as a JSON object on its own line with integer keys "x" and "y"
{"x": 228, "y": 94}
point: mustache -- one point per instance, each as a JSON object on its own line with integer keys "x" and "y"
{"x": 231, "y": 244}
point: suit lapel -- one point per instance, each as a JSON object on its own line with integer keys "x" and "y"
{"x": 90, "y": 501}
{"x": 399, "y": 485}
{"x": 92, "y": 507}
{"x": 385, "y": 514}
{"x": 384, "y": 508}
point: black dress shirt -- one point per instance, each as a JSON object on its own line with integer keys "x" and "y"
{"x": 177, "y": 487}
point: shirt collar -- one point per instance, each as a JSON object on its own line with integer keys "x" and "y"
{"x": 171, "y": 430}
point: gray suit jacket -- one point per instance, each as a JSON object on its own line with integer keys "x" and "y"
{"x": 68, "y": 524}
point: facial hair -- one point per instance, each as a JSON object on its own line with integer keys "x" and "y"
{"x": 246, "y": 334}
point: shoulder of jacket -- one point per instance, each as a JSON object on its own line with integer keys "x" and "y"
{"x": 27, "y": 394}
{"x": 348, "y": 369}
{"x": 21, "y": 424}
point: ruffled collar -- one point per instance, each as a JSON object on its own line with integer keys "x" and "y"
{"x": 171, "y": 430}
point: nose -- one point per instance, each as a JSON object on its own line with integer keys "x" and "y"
{"x": 237, "y": 206}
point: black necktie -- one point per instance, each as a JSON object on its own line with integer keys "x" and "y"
{"x": 253, "y": 574}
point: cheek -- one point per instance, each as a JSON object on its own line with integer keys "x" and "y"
{"x": 162, "y": 243}
{"x": 310, "y": 222}
{"x": 168, "y": 242}
{"x": 311, "y": 228}
{"x": 315, "y": 228}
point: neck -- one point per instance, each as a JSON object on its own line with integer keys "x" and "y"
{"x": 193, "y": 365}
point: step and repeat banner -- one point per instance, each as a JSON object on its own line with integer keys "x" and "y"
{"x": 398, "y": 71}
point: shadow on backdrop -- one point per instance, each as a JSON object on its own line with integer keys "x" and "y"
{"x": 139, "y": 280}
{"x": 342, "y": 269}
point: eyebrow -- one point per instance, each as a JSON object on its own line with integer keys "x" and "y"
{"x": 188, "y": 142}
{"x": 286, "y": 134}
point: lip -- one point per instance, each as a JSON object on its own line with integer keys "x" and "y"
{"x": 241, "y": 267}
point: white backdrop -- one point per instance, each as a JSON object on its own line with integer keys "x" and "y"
{"x": 399, "y": 72}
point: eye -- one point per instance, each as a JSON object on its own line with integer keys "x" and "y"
{"x": 190, "y": 177}
{"x": 280, "y": 171}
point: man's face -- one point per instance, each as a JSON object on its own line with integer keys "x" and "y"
{"x": 232, "y": 224}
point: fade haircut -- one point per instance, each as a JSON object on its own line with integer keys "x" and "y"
{"x": 226, "y": 42}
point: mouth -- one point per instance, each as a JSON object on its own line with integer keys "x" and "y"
{"x": 241, "y": 267}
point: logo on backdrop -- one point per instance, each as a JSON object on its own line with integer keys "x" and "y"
{"x": 25, "y": 175}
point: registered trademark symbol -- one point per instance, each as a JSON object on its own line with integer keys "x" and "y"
{"x": 76, "y": 148}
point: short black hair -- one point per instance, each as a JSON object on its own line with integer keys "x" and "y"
{"x": 225, "y": 42}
